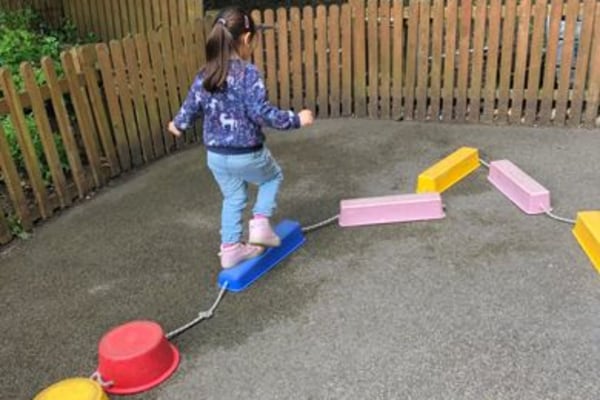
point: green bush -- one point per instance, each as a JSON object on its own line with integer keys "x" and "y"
{"x": 17, "y": 155}
{"x": 24, "y": 36}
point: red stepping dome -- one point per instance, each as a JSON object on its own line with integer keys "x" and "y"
{"x": 136, "y": 357}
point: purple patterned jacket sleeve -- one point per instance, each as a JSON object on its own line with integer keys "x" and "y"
{"x": 191, "y": 107}
{"x": 258, "y": 107}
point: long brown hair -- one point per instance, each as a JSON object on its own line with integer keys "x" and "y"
{"x": 223, "y": 42}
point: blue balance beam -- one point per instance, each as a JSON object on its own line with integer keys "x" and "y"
{"x": 240, "y": 277}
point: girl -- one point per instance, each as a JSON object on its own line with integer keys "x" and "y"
{"x": 231, "y": 94}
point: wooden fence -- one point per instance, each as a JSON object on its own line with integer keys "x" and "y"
{"x": 469, "y": 60}
{"x": 109, "y": 113}
{"x": 428, "y": 61}
{"x": 115, "y": 19}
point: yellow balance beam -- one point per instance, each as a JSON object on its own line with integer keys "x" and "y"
{"x": 449, "y": 171}
{"x": 587, "y": 232}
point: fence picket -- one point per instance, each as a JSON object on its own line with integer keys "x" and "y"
{"x": 122, "y": 84}
{"x": 12, "y": 180}
{"x": 564, "y": 82}
{"x": 271, "y": 57}
{"x": 593, "y": 93}
{"x": 583, "y": 62}
{"x": 181, "y": 74}
{"x": 360, "y": 62}
{"x": 141, "y": 116}
{"x": 437, "y": 35}
{"x": 346, "y": 31}
{"x": 308, "y": 22}
{"x": 165, "y": 6}
{"x": 493, "y": 57}
{"x": 171, "y": 78}
{"x": 117, "y": 18}
{"x": 284, "y": 58}
{"x": 449, "y": 64}
{"x": 148, "y": 19}
{"x": 464, "y": 64}
{"x": 158, "y": 69}
{"x": 114, "y": 108}
{"x": 296, "y": 54}
{"x": 385, "y": 53}
{"x": 64, "y": 126}
{"x": 398, "y": 59}
{"x": 478, "y": 52}
{"x": 45, "y": 131}
{"x": 87, "y": 129}
{"x": 550, "y": 62}
{"x": 149, "y": 93}
{"x": 182, "y": 13}
{"x": 334, "y": 61}
{"x": 258, "y": 55}
{"x": 87, "y": 59}
{"x": 422, "y": 72}
{"x": 508, "y": 30}
{"x": 101, "y": 20}
{"x": 17, "y": 118}
{"x": 520, "y": 62}
{"x": 373, "y": 57}
{"x": 110, "y": 23}
{"x": 156, "y": 15}
{"x": 411, "y": 61}
{"x": 535, "y": 62}
{"x": 323, "y": 84}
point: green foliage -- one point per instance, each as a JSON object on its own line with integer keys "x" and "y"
{"x": 25, "y": 37}
{"x": 17, "y": 155}
{"x": 16, "y": 227}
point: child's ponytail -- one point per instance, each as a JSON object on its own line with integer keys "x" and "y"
{"x": 222, "y": 43}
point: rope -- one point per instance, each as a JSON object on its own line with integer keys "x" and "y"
{"x": 320, "y": 224}
{"x": 98, "y": 379}
{"x": 201, "y": 316}
{"x": 560, "y": 219}
{"x": 208, "y": 314}
{"x": 484, "y": 163}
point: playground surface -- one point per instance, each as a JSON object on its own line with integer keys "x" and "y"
{"x": 488, "y": 303}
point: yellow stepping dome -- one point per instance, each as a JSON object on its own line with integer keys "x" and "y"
{"x": 587, "y": 232}
{"x": 73, "y": 389}
{"x": 448, "y": 171}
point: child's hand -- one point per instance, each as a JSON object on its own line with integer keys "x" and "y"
{"x": 173, "y": 129}
{"x": 306, "y": 117}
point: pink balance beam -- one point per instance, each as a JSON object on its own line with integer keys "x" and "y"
{"x": 391, "y": 209}
{"x": 520, "y": 188}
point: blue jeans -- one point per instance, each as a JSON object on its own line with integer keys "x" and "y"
{"x": 233, "y": 173}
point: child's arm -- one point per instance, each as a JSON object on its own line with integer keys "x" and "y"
{"x": 188, "y": 113}
{"x": 262, "y": 112}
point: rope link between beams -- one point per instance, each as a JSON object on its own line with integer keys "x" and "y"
{"x": 204, "y": 315}
{"x": 201, "y": 316}
{"x": 320, "y": 225}
{"x": 560, "y": 219}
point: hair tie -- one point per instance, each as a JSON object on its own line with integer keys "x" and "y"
{"x": 222, "y": 21}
